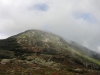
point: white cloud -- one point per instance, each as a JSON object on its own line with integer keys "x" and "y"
{"x": 59, "y": 17}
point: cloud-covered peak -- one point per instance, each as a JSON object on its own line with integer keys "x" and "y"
{"x": 78, "y": 20}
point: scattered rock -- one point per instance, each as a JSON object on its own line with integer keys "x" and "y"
{"x": 78, "y": 70}
{"x": 29, "y": 58}
{"x": 19, "y": 61}
{"x": 28, "y": 62}
{"x": 4, "y": 61}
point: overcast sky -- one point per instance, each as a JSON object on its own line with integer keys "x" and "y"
{"x": 77, "y": 20}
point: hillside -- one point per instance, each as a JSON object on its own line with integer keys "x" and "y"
{"x": 85, "y": 50}
{"x": 44, "y": 53}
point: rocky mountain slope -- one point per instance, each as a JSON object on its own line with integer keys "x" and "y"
{"x": 85, "y": 50}
{"x": 45, "y": 53}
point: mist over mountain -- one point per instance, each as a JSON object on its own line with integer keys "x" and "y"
{"x": 47, "y": 52}
{"x": 76, "y": 20}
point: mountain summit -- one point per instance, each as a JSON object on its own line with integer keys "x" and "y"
{"x": 47, "y": 50}
{"x": 35, "y": 41}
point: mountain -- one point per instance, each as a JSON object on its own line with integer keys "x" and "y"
{"x": 44, "y": 53}
{"x": 84, "y": 50}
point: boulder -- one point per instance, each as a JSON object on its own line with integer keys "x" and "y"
{"x": 4, "y": 61}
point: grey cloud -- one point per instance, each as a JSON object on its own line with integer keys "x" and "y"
{"x": 40, "y": 6}
{"x": 85, "y": 16}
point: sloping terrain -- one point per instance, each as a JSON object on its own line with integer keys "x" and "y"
{"x": 43, "y": 53}
{"x": 85, "y": 50}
